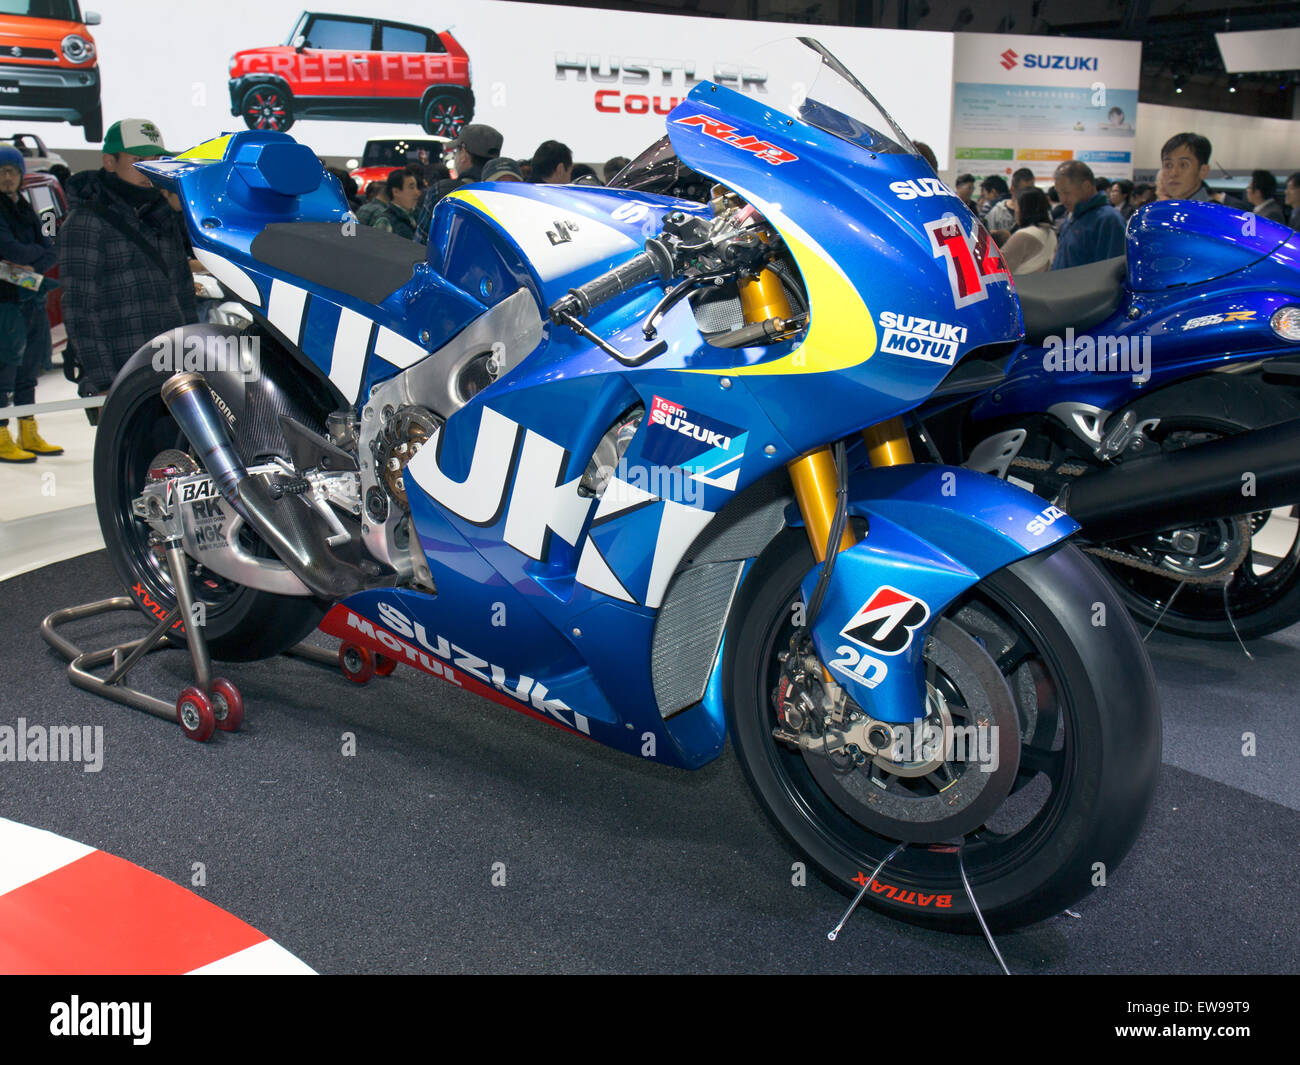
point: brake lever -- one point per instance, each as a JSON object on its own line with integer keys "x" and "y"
{"x": 674, "y": 296}
{"x": 653, "y": 351}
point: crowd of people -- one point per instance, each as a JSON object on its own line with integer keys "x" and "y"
{"x": 1081, "y": 219}
{"x": 403, "y": 203}
{"x": 126, "y": 266}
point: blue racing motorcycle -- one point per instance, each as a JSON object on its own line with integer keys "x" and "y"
{"x": 586, "y": 456}
{"x": 1155, "y": 399}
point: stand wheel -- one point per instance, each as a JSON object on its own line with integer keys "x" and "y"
{"x": 384, "y": 665}
{"x": 357, "y": 663}
{"x": 227, "y": 705}
{"x": 194, "y": 712}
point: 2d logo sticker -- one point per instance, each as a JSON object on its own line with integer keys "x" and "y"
{"x": 886, "y": 621}
{"x": 708, "y": 450}
{"x": 973, "y": 261}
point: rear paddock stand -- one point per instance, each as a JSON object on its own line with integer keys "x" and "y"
{"x": 211, "y": 703}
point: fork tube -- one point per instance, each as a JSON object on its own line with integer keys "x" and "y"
{"x": 815, "y": 484}
{"x": 763, "y": 296}
{"x": 814, "y": 476}
{"x": 887, "y": 443}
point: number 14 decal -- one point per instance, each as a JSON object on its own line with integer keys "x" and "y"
{"x": 974, "y": 261}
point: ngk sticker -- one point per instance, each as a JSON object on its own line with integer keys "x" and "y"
{"x": 886, "y": 621}
{"x": 708, "y": 450}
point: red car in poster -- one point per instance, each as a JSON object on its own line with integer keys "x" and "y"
{"x": 354, "y": 67}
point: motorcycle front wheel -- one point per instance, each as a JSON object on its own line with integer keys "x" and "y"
{"x": 1047, "y": 633}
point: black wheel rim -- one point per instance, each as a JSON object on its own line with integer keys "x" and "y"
{"x": 1248, "y": 592}
{"x": 265, "y": 109}
{"x": 146, "y": 430}
{"x": 446, "y": 117}
{"x": 1047, "y": 761}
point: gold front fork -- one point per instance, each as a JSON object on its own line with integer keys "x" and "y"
{"x": 816, "y": 482}
{"x": 814, "y": 477}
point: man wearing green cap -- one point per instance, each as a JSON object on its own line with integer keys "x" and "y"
{"x": 123, "y": 258}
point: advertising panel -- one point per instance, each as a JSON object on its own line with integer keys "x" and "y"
{"x": 338, "y": 75}
{"x": 1033, "y": 102}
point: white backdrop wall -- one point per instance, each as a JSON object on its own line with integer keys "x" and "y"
{"x": 1240, "y": 142}
{"x": 170, "y": 62}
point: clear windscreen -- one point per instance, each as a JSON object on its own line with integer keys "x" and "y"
{"x": 807, "y": 82}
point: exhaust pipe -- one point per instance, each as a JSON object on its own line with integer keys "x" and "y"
{"x": 283, "y": 523}
{"x": 1191, "y": 486}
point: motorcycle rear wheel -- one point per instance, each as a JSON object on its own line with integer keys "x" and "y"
{"x": 1263, "y": 594}
{"x": 1089, "y": 759}
{"x": 240, "y": 623}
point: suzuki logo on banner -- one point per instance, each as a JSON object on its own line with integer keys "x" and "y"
{"x": 1009, "y": 58}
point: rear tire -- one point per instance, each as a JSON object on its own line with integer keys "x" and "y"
{"x": 445, "y": 114}
{"x": 267, "y": 107}
{"x": 1091, "y": 687}
{"x": 242, "y": 625}
{"x": 1199, "y": 410}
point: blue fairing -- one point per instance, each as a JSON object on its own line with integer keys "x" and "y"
{"x": 547, "y": 597}
{"x": 1204, "y": 282}
{"x": 918, "y": 550}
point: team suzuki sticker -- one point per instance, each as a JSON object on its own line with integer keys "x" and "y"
{"x": 886, "y": 621}
{"x": 921, "y": 338}
{"x": 707, "y": 450}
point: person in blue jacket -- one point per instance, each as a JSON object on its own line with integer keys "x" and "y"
{"x": 24, "y": 328}
{"x": 1094, "y": 230}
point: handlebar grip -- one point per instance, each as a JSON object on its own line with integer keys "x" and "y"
{"x": 655, "y": 261}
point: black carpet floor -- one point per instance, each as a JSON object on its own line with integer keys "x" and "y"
{"x": 383, "y": 862}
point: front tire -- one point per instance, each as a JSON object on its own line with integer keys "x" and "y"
{"x": 241, "y": 624}
{"x": 92, "y": 125}
{"x": 1089, "y": 758}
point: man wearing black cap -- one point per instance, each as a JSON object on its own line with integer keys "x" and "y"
{"x": 476, "y": 145}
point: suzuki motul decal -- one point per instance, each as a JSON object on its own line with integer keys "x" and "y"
{"x": 439, "y": 657}
{"x": 708, "y": 450}
{"x": 887, "y": 620}
{"x": 720, "y": 131}
{"x": 974, "y": 261}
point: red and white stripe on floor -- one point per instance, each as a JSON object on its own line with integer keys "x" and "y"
{"x": 66, "y": 908}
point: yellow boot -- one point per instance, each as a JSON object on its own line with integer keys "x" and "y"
{"x": 11, "y": 452}
{"x": 30, "y": 439}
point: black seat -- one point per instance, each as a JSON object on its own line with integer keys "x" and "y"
{"x": 1080, "y": 296}
{"x": 364, "y": 262}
